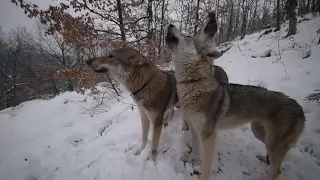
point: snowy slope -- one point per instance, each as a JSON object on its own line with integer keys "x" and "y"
{"x": 58, "y": 140}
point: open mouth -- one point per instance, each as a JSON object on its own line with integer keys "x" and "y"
{"x": 102, "y": 70}
{"x": 212, "y": 27}
{"x": 170, "y": 38}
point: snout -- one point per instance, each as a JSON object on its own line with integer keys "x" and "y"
{"x": 96, "y": 65}
{"x": 171, "y": 27}
{"x": 215, "y": 54}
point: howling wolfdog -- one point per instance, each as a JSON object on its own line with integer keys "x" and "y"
{"x": 208, "y": 106}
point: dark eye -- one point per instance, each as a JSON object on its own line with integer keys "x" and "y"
{"x": 111, "y": 56}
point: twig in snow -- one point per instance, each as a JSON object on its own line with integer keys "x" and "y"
{"x": 239, "y": 48}
{"x": 285, "y": 70}
{"x": 279, "y": 45}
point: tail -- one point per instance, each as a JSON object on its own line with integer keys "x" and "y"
{"x": 294, "y": 131}
{"x": 296, "y": 126}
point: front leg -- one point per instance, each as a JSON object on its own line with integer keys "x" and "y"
{"x": 157, "y": 128}
{"x": 207, "y": 146}
{"x": 194, "y": 155}
{"x": 145, "y": 131}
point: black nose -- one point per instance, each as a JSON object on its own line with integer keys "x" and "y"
{"x": 212, "y": 15}
{"x": 171, "y": 26}
{"x": 89, "y": 62}
{"x": 215, "y": 54}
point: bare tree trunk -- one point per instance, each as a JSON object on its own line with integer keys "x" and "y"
{"x": 217, "y": 8}
{"x": 151, "y": 50}
{"x": 221, "y": 33}
{"x": 53, "y": 86}
{"x": 278, "y": 17}
{"x": 291, "y": 7}
{"x": 230, "y": 22}
{"x": 317, "y": 6}
{"x": 122, "y": 31}
{"x": 282, "y": 10}
{"x": 149, "y": 14}
{"x": 197, "y": 18}
{"x": 237, "y": 22}
{"x": 253, "y": 25}
{"x": 313, "y": 6}
{"x": 307, "y": 8}
{"x": 161, "y": 28}
{"x": 301, "y": 7}
{"x": 244, "y": 19}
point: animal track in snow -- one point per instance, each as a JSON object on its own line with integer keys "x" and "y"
{"x": 310, "y": 150}
{"x": 75, "y": 141}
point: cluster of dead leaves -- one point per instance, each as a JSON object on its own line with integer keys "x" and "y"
{"x": 87, "y": 79}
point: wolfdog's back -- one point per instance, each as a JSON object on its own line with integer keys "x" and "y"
{"x": 253, "y": 101}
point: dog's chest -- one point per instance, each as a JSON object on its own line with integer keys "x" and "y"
{"x": 193, "y": 96}
{"x": 151, "y": 113}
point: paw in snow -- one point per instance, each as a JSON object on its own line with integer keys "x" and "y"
{"x": 153, "y": 155}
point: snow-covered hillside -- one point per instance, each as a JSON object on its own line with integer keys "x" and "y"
{"x": 56, "y": 140}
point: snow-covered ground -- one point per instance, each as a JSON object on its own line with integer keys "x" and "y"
{"x": 59, "y": 139}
